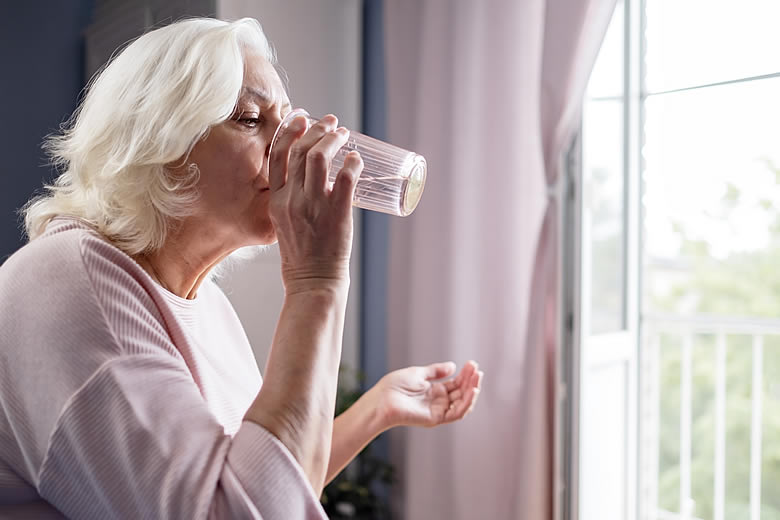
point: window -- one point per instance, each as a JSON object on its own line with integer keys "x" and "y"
{"x": 680, "y": 269}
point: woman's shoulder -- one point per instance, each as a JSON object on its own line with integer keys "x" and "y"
{"x": 68, "y": 255}
{"x": 50, "y": 261}
{"x": 58, "y": 243}
{"x": 70, "y": 272}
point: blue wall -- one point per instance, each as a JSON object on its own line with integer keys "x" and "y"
{"x": 375, "y": 231}
{"x": 41, "y": 60}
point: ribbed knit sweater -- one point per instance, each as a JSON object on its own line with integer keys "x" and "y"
{"x": 119, "y": 399}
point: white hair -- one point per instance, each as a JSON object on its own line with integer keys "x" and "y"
{"x": 146, "y": 109}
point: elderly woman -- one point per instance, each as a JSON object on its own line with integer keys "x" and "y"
{"x": 128, "y": 387}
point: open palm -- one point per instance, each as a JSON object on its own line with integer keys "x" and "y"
{"x": 419, "y": 396}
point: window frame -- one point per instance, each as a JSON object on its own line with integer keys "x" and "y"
{"x": 570, "y": 361}
{"x": 574, "y": 299}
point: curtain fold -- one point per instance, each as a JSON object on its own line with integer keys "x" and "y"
{"x": 489, "y": 92}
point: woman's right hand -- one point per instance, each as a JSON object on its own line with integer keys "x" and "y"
{"x": 313, "y": 222}
{"x": 313, "y": 225}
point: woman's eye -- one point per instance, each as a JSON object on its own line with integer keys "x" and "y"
{"x": 250, "y": 122}
{"x": 248, "y": 119}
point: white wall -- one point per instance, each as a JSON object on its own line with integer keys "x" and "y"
{"x": 319, "y": 46}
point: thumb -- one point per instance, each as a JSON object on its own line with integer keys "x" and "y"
{"x": 439, "y": 370}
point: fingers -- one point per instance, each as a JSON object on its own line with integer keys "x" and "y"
{"x": 346, "y": 181}
{"x": 439, "y": 370}
{"x": 468, "y": 369}
{"x": 299, "y": 153}
{"x": 477, "y": 382}
{"x": 302, "y": 158}
{"x": 476, "y": 379}
{"x": 463, "y": 397}
{"x": 459, "y": 408}
{"x": 318, "y": 160}
{"x": 458, "y": 391}
{"x": 465, "y": 373}
{"x": 280, "y": 154}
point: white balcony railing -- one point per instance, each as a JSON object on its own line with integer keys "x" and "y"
{"x": 686, "y": 330}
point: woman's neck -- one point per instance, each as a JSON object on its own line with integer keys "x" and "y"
{"x": 185, "y": 260}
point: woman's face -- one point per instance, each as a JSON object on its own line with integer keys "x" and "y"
{"x": 233, "y": 162}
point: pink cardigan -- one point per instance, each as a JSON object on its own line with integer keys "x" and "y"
{"x": 119, "y": 399}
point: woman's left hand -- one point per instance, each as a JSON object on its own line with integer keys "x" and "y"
{"x": 414, "y": 396}
{"x": 418, "y": 396}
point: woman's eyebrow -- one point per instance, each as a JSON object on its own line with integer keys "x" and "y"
{"x": 263, "y": 96}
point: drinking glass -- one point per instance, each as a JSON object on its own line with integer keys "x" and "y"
{"x": 392, "y": 180}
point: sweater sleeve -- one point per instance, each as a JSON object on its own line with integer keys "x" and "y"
{"x": 136, "y": 441}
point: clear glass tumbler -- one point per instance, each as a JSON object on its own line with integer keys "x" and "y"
{"x": 392, "y": 180}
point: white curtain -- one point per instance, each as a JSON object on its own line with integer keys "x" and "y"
{"x": 489, "y": 92}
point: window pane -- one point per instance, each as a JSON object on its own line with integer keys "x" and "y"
{"x": 711, "y": 248}
{"x": 711, "y": 173}
{"x": 604, "y": 212}
{"x": 697, "y": 42}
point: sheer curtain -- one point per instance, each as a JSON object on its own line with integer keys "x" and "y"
{"x": 489, "y": 92}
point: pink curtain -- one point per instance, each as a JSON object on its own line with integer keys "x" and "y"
{"x": 489, "y": 92}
